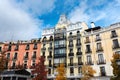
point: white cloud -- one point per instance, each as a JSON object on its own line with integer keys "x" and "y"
{"x": 107, "y": 14}
{"x": 18, "y": 24}
{"x": 37, "y": 7}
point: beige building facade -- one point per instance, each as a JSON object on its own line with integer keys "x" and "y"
{"x": 75, "y": 45}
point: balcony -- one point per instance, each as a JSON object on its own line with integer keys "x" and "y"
{"x": 114, "y": 35}
{"x": 78, "y": 53}
{"x": 98, "y": 39}
{"x": 50, "y": 65}
{"x": 15, "y": 58}
{"x": 71, "y": 54}
{"x": 99, "y": 50}
{"x": 89, "y": 63}
{"x": 49, "y": 57}
{"x": 59, "y": 55}
{"x": 34, "y": 57}
{"x": 26, "y": 58}
{"x": 43, "y": 49}
{"x": 50, "y": 48}
{"x": 80, "y": 63}
{"x": 88, "y": 51}
{"x": 116, "y": 47}
{"x": 70, "y": 64}
{"x": 87, "y": 41}
{"x": 101, "y": 62}
{"x": 78, "y": 44}
{"x": 70, "y": 45}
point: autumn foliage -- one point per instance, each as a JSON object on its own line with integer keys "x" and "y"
{"x": 39, "y": 70}
{"x": 116, "y": 68}
{"x": 2, "y": 60}
{"x": 61, "y": 72}
{"x": 87, "y": 72}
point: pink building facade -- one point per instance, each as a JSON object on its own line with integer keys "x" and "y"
{"x": 23, "y": 53}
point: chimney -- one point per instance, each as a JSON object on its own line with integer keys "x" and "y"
{"x": 92, "y": 24}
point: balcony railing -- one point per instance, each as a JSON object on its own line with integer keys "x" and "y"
{"x": 50, "y": 56}
{"x": 50, "y": 65}
{"x": 71, "y": 54}
{"x": 78, "y": 53}
{"x": 114, "y": 35}
{"x": 78, "y": 44}
{"x": 70, "y": 64}
{"x": 116, "y": 47}
{"x": 89, "y": 63}
{"x": 87, "y": 41}
{"x": 88, "y": 51}
{"x": 43, "y": 49}
{"x": 98, "y": 39}
{"x": 80, "y": 63}
{"x": 26, "y": 58}
{"x": 50, "y": 48}
{"x": 34, "y": 57}
{"x": 70, "y": 45}
{"x": 101, "y": 62}
{"x": 99, "y": 50}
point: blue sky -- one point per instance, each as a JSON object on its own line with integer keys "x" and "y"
{"x": 25, "y": 19}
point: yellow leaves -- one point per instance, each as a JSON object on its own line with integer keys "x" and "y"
{"x": 87, "y": 72}
{"x": 61, "y": 72}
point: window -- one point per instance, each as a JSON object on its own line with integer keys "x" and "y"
{"x": 25, "y": 64}
{"x": 35, "y": 46}
{"x": 100, "y": 58}
{"x": 49, "y": 71}
{"x": 97, "y": 37}
{"x": 50, "y": 53}
{"x": 26, "y": 55}
{"x": 15, "y": 55}
{"x": 115, "y": 43}
{"x": 79, "y": 49}
{"x": 78, "y": 41}
{"x": 49, "y": 62}
{"x": 87, "y": 39}
{"x": 27, "y": 47}
{"x": 9, "y": 48}
{"x": 13, "y": 65}
{"x": 0, "y": 48}
{"x": 71, "y": 70}
{"x": 34, "y": 54}
{"x": 33, "y": 63}
{"x": 88, "y": 48}
{"x": 99, "y": 46}
{"x": 70, "y": 33}
{"x": 16, "y": 47}
{"x": 71, "y": 60}
{"x": 50, "y": 44}
{"x": 8, "y": 55}
{"x": 113, "y": 33}
{"x": 43, "y": 54}
{"x": 71, "y": 42}
{"x": 79, "y": 69}
{"x": 79, "y": 60}
{"x": 71, "y": 50}
{"x": 89, "y": 59}
{"x": 102, "y": 71}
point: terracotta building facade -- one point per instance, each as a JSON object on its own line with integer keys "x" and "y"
{"x": 22, "y": 53}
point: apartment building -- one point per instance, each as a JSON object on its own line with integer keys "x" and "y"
{"x": 74, "y": 44}
{"x": 24, "y": 53}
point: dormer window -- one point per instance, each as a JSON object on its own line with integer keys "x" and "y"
{"x": 70, "y": 33}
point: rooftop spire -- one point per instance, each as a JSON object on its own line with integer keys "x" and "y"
{"x": 62, "y": 19}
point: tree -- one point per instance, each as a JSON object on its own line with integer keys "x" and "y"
{"x": 87, "y": 72}
{"x": 116, "y": 67}
{"x": 3, "y": 60}
{"x": 61, "y": 72}
{"x": 39, "y": 70}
